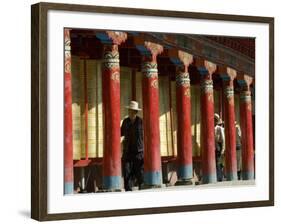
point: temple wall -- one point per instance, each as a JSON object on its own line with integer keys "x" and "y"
{"x": 95, "y": 115}
{"x": 167, "y": 109}
{"x": 166, "y": 144}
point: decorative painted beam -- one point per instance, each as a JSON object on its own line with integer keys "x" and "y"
{"x": 203, "y": 47}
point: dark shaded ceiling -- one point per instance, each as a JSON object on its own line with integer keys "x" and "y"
{"x": 244, "y": 46}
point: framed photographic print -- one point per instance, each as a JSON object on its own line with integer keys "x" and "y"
{"x": 138, "y": 111}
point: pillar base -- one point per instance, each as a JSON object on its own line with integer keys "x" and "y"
{"x": 145, "y": 186}
{"x": 112, "y": 182}
{"x": 110, "y": 190}
{"x": 185, "y": 172}
{"x": 68, "y": 188}
{"x": 248, "y": 175}
{"x": 153, "y": 178}
{"x": 184, "y": 182}
{"x": 231, "y": 176}
{"x": 209, "y": 179}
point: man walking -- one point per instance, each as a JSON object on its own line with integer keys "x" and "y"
{"x": 220, "y": 146}
{"x": 132, "y": 158}
{"x": 238, "y": 150}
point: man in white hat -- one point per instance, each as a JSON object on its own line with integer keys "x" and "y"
{"x": 132, "y": 158}
{"x": 220, "y": 146}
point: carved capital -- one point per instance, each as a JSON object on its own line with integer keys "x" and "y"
{"x": 205, "y": 67}
{"x": 248, "y": 79}
{"x": 117, "y": 37}
{"x": 226, "y": 73}
{"x": 181, "y": 59}
{"x": 148, "y": 49}
{"x": 112, "y": 37}
{"x": 231, "y": 73}
{"x": 154, "y": 48}
{"x": 245, "y": 81}
{"x": 110, "y": 57}
{"x": 211, "y": 67}
{"x": 67, "y": 49}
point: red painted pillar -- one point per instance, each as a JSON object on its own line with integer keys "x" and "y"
{"x": 86, "y": 106}
{"x": 230, "y": 130}
{"x": 111, "y": 109}
{"x": 68, "y": 144}
{"x": 150, "y": 95}
{"x": 184, "y": 138}
{"x": 228, "y": 75}
{"x": 248, "y": 171}
{"x": 206, "y": 69}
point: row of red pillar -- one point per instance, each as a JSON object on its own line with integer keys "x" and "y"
{"x": 152, "y": 156}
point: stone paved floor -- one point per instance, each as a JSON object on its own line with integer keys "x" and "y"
{"x": 202, "y": 186}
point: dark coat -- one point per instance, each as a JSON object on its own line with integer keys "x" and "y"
{"x": 133, "y": 141}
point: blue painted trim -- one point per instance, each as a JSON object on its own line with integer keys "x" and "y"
{"x": 68, "y": 188}
{"x": 143, "y": 50}
{"x": 133, "y": 33}
{"x": 153, "y": 178}
{"x": 112, "y": 182}
{"x": 202, "y": 70}
{"x": 241, "y": 82}
{"x": 248, "y": 175}
{"x": 176, "y": 61}
{"x": 104, "y": 38}
{"x": 168, "y": 46}
{"x": 232, "y": 176}
{"x": 211, "y": 178}
{"x": 225, "y": 77}
{"x": 185, "y": 172}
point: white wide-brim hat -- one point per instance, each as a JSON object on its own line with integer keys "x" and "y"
{"x": 217, "y": 117}
{"x": 134, "y": 105}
